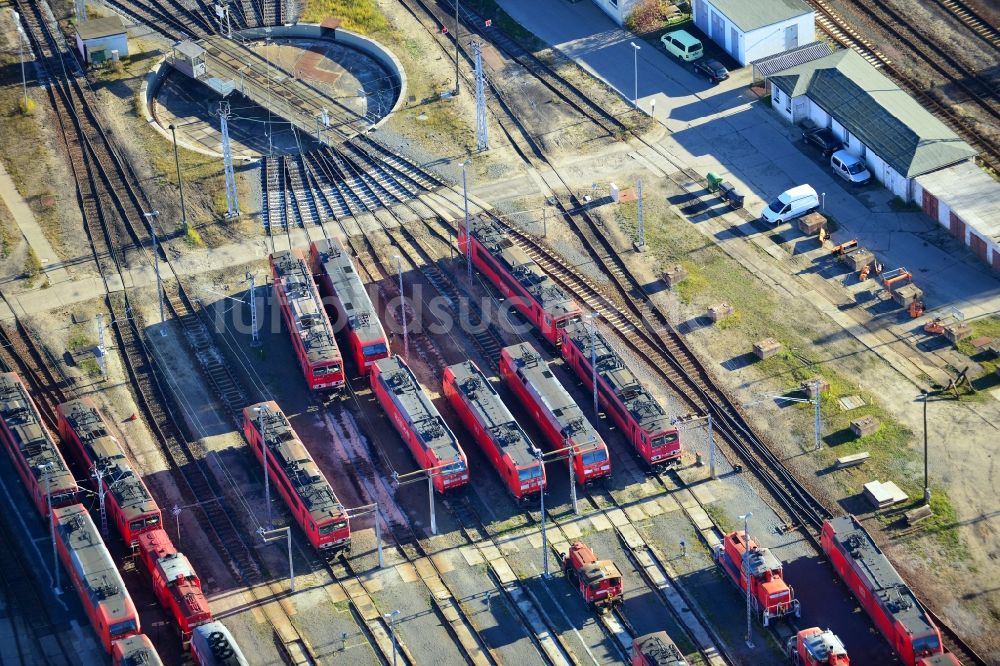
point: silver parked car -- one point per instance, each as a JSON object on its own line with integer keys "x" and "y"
{"x": 850, "y": 167}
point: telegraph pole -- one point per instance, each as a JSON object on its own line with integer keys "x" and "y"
{"x": 267, "y": 475}
{"x": 746, "y": 569}
{"x": 252, "y": 297}
{"x": 592, "y": 317}
{"x": 541, "y": 495}
{"x": 47, "y": 468}
{"x": 457, "y": 25}
{"x": 180, "y": 181}
{"x": 232, "y": 198}
{"x": 402, "y": 308}
{"x": 468, "y": 222}
{"x": 102, "y": 360}
{"x": 482, "y": 130}
{"x": 156, "y": 264}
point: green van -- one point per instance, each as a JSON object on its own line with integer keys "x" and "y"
{"x": 682, "y": 44}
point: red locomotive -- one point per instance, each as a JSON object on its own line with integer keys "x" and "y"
{"x": 656, "y": 649}
{"x": 816, "y": 647}
{"x": 340, "y": 284}
{"x": 418, "y": 422}
{"x": 35, "y": 455}
{"x": 132, "y": 507}
{"x": 636, "y": 412}
{"x": 305, "y": 489}
{"x": 135, "y": 650}
{"x": 559, "y": 417}
{"x": 491, "y": 423}
{"x": 772, "y": 596}
{"x": 213, "y": 645}
{"x": 511, "y": 270}
{"x": 599, "y": 581}
{"x": 885, "y": 597}
{"x": 175, "y": 582}
{"x": 302, "y": 310}
{"x": 943, "y": 659}
{"x": 94, "y": 575}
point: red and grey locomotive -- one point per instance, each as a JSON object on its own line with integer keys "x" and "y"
{"x": 308, "y": 494}
{"x": 418, "y": 422}
{"x": 132, "y": 507}
{"x": 519, "y": 279}
{"x": 94, "y": 575}
{"x": 302, "y": 309}
{"x": 555, "y": 411}
{"x": 175, "y": 582}
{"x": 656, "y": 649}
{"x": 888, "y": 600}
{"x": 772, "y": 597}
{"x": 36, "y": 457}
{"x": 499, "y": 436}
{"x": 633, "y": 408}
{"x": 340, "y": 285}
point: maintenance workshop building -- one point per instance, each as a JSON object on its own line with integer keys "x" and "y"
{"x": 753, "y": 30}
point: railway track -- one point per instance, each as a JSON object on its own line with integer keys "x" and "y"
{"x": 973, "y": 21}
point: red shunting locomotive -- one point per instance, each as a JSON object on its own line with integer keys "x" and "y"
{"x": 599, "y": 581}
{"x": 816, "y": 647}
{"x": 772, "y": 597}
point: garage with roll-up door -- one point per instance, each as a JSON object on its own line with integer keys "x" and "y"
{"x": 752, "y": 30}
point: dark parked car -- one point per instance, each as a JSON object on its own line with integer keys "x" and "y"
{"x": 822, "y": 138}
{"x": 713, "y": 69}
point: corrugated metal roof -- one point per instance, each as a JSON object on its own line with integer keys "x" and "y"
{"x": 101, "y": 27}
{"x": 970, "y": 193}
{"x": 752, "y": 15}
{"x": 765, "y": 67}
{"x": 874, "y": 109}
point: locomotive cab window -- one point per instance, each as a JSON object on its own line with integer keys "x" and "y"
{"x": 530, "y": 473}
{"x": 121, "y": 628}
{"x": 371, "y": 350}
{"x": 332, "y": 527}
{"x": 594, "y": 457}
{"x": 926, "y": 644}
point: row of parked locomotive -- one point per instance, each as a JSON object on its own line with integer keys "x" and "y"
{"x": 630, "y": 405}
{"x": 134, "y": 515}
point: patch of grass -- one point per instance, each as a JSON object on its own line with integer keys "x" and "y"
{"x": 986, "y": 327}
{"x": 8, "y": 236}
{"x": 78, "y": 342}
{"x": 720, "y": 517}
{"x": 90, "y": 367}
{"x": 32, "y": 266}
{"x": 361, "y": 16}
{"x": 193, "y": 238}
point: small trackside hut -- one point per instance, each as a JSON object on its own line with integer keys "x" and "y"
{"x": 499, "y": 436}
{"x": 36, "y": 457}
{"x": 888, "y": 600}
{"x": 555, "y": 411}
{"x": 133, "y": 509}
{"x": 307, "y": 322}
{"x": 94, "y": 575}
{"x": 772, "y": 597}
{"x": 634, "y": 409}
{"x": 519, "y": 279}
{"x": 418, "y": 422}
{"x": 356, "y": 318}
{"x": 306, "y": 492}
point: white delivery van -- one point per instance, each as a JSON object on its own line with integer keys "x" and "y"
{"x": 791, "y": 204}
